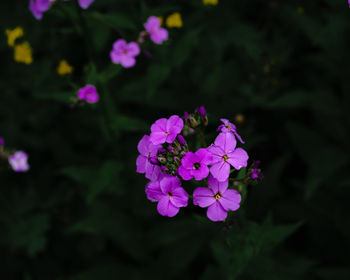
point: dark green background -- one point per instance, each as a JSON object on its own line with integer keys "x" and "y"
{"x": 81, "y": 211}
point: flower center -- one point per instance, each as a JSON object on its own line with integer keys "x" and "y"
{"x": 170, "y": 194}
{"x": 125, "y": 52}
{"x": 228, "y": 127}
{"x": 225, "y": 157}
{"x": 167, "y": 133}
{"x": 197, "y": 165}
{"x": 217, "y": 196}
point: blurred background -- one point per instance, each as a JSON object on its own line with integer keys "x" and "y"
{"x": 277, "y": 69}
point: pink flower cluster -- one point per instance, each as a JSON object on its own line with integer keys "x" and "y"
{"x": 166, "y": 161}
{"x": 39, "y": 7}
{"x": 124, "y": 53}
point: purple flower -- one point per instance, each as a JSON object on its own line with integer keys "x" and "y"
{"x": 229, "y": 127}
{"x": 147, "y": 153}
{"x": 255, "y": 174}
{"x": 18, "y": 161}
{"x": 187, "y": 116}
{"x": 88, "y": 93}
{"x": 124, "y": 53}
{"x": 225, "y": 154}
{"x": 84, "y": 4}
{"x": 157, "y": 33}
{"x": 2, "y": 141}
{"x": 169, "y": 194}
{"x": 166, "y": 130}
{"x": 195, "y": 165}
{"x": 218, "y": 198}
{"x": 38, "y": 7}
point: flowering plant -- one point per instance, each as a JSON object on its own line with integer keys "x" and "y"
{"x": 167, "y": 161}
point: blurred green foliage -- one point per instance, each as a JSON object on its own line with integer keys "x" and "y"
{"x": 81, "y": 211}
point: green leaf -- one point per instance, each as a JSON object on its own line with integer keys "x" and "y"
{"x": 29, "y": 233}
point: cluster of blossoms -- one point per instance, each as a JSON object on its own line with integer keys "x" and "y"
{"x": 125, "y": 53}
{"x": 166, "y": 160}
{"x": 22, "y": 51}
{"x": 39, "y": 7}
{"x": 18, "y": 160}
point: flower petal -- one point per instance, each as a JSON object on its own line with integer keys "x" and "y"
{"x": 230, "y": 200}
{"x": 141, "y": 164}
{"x": 220, "y": 171}
{"x": 185, "y": 173}
{"x": 201, "y": 173}
{"x": 153, "y": 191}
{"x": 179, "y": 198}
{"x": 226, "y": 141}
{"x": 238, "y": 158}
{"x": 166, "y": 208}
{"x": 203, "y": 197}
{"x": 217, "y": 186}
{"x": 204, "y": 156}
{"x": 216, "y": 213}
{"x": 174, "y": 124}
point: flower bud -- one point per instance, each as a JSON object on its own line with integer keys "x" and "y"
{"x": 194, "y": 123}
{"x": 154, "y": 160}
{"x": 2, "y": 142}
{"x": 181, "y": 140}
{"x": 162, "y": 159}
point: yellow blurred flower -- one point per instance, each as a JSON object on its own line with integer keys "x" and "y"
{"x": 210, "y": 2}
{"x": 300, "y": 10}
{"x": 239, "y": 118}
{"x": 174, "y": 20}
{"x": 12, "y": 35}
{"x": 64, "y": 68}
{"x": 23, "y": 53}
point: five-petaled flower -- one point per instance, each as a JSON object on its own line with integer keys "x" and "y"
{"x": 229, "y": 127}
{"x": 88, "y": 93}
{"x": 166, "y": 130}
{"x": 169, "y": 194}
{"x": 218, "y": 198}
{"x": 157, "y": 33}
{"x": 18, "y": 161}
{"x": 225, "y": 154}
{"x": 147, "y": 151}
{"x": 195, "y": 165}
{"x": 124, "y": 53}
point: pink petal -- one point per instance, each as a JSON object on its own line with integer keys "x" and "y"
{"x": 230, "y": 200}
{"x": 153, "y": 191}
{"x": 188, "y": 160}
{"x": 238, "y": 158}
{"x": 84, "y": 4}
{"x": 127, "y": 61}
{"x": 201, "y": 173}
{"x": 226, "y": 141}
{"x": 203, "y": 197}
{"x": 217, "y": 186}
{"x": 204, "y": 156}
{"x": 166, "y": 208}
{"x": 217, "y": 154}
{"x": 179, "y": 198}
{"x": 174, "y": 124}
{"x": 120, "y": 44}
{"x": 159, "y": 125}
{"x": 168, "y": 183}
{"x": 158, "y": 137}
{"x": 141, "y": 164}
{"x": 142, "y": 146}
{"x": 152, "y": 23}
{"x": 185, "y": 173}
{"x": 216, "y": 213}
{"x": 220, "y": 171}
{"x": 152, "y": 170}
{"x": 133, "y": 49}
